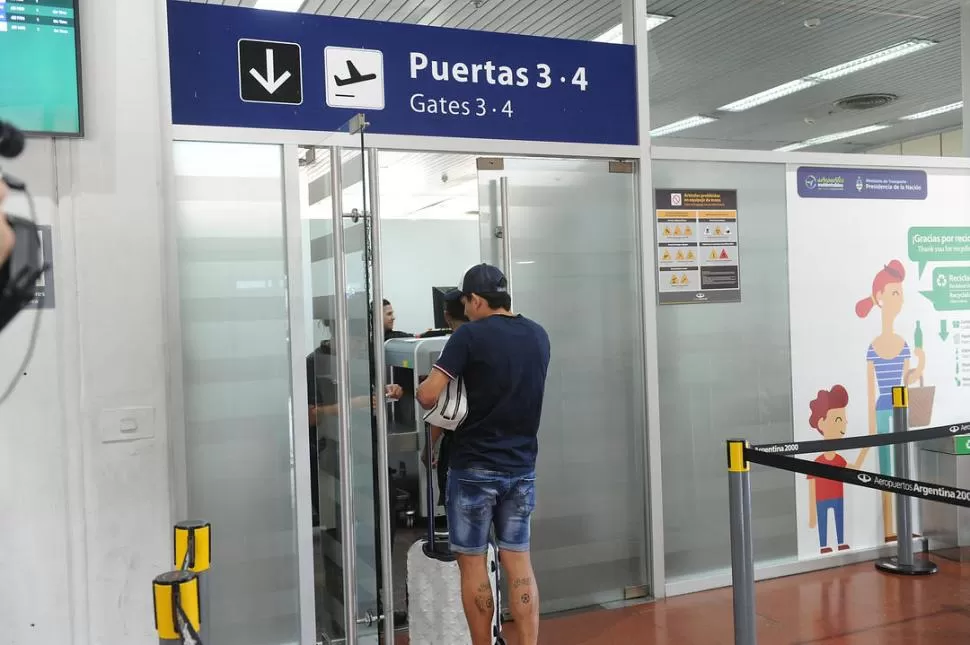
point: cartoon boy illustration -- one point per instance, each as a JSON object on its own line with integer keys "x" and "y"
{"x": 829, "y": 418}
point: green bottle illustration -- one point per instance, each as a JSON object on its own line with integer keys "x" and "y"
{"x": 918, "y": 336}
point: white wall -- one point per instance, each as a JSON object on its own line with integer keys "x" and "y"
{"x": 86, "y": 523}
{"x": 420, "y": 254}
{"x": 941, "y": 144}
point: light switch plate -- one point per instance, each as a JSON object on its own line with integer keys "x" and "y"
{"x": 127, "y": 424}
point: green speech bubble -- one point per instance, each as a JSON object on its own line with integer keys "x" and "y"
{"x": 951, "y": 289}
{"x": 938, "y": 244}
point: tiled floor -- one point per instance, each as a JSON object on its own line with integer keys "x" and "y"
{"x": 851, "y": 606}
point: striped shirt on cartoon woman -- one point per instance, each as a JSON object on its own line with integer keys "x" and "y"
{"x": 889, "y": 374}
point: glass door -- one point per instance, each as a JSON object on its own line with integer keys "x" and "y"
{"x": 565, "y": 233}
{"x": 346, "y": 386}
{"x": 231, "y": 263}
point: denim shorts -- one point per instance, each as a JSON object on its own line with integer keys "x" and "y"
{"x": 478, "y": 499}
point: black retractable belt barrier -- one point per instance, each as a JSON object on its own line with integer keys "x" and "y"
{"x": 868, "y": 441}
{"x": 778, "y": 455}
{"x": 904, "y": 563}
{"x": 908, "y": 487}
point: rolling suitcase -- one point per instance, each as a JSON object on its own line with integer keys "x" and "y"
{"x": 435, "y": 615}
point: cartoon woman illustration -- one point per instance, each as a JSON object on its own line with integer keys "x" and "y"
{"x": 888, "y": 366}
{"x": 829, "y": 418}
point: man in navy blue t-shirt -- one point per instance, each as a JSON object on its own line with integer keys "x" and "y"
{"x": 502, "y": 359}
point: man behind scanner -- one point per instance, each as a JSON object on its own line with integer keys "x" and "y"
{"x": 389, "y": 320}
{"x": 503, "y": 359}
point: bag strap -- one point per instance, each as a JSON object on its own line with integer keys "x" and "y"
{"x": 429, "y": 449}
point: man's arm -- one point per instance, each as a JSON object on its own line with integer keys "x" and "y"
{"x": 432, "y": 387}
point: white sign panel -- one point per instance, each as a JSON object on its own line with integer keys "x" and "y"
{"x": 355, "y": 78}
{"x": 869, "y": 312}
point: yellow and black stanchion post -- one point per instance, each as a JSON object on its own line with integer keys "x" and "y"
{"x": 193, "y": 553}
{"x": 904, "y": 562}
{"x": 742, "y": 543}
{"x": 176, "y": 596}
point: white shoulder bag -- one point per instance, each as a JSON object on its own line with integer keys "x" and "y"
{"x": 451, "y": 408}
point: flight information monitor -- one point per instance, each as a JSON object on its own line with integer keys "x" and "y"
{"x": 40, "y": 84}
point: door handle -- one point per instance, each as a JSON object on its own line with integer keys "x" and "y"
{"x": 502, "y": 231}
{"x": 385, "y": 548}
{"x": 342, "y": 346}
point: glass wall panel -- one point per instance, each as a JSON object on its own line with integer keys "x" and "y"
{"x": 725, "y": 372}
{"x": 822, "y": 76}
{"x": 571, "y": 259}
{"x": 237, "y": 383}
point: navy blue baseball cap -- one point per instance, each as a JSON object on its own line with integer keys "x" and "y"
{"x": 483, "y": 278}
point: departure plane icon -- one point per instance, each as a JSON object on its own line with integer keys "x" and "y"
{"x": 348, "y": 86}
{"x": 354, "y": 78}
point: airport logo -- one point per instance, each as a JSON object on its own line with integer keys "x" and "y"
{"x": 864, "y": 478}
{"x": 811, "y": 182}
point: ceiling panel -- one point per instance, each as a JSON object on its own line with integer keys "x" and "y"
{"x": 717, "y": 51}
{"x": 714, "y": 52}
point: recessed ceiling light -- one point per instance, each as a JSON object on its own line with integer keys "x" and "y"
{"x": 279, "y": 5}
{"x": 829, "y": 138}
{"x": 869, "y": 60}
{"x": 875, "y": 58}
{"x": 683, "y": 124}
{"x": 767, "y": 96}
{"x": 654, "y": 20}
{"x": 935, "y": 111}
{"x": 614, "y": 35}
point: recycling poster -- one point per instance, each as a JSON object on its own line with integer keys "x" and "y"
{"x": 879, "y": 296}
{"x": 698, "y": 259}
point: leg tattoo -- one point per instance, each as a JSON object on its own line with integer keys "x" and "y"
{"x": 483, "y": 599}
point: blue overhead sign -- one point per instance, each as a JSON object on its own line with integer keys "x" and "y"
{"x": 248, "y": 68}
{"x": 861, "y": 183}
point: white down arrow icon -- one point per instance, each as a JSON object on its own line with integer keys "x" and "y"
{"x": 270, "y": 82}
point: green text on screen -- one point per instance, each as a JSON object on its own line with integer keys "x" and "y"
{"x": 39, "y": 84}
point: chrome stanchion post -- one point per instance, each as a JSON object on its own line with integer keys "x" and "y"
{"x": 742, "y": 544}
{"x": 904, "y": 562}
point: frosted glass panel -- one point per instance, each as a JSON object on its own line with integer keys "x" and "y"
{"x": 573, "y": 269}
{"x": 725, "y": 372}
{"x": 237, "y": 384}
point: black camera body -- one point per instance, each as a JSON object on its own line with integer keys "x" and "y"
{"x": 24, "y": 267}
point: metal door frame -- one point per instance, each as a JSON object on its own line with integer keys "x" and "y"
{"x": 379, "y": 371}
